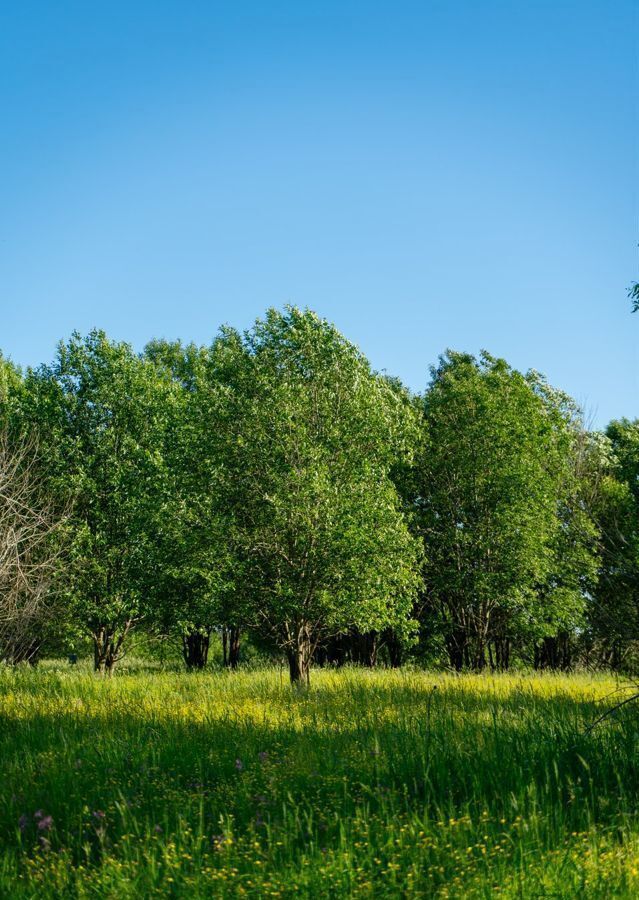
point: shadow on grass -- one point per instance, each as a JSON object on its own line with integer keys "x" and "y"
{"x": 328, "y": 759}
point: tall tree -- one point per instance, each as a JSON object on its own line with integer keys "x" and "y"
{"x": 311, "y": 436}
{"x": 614, "y": 605}
{"x": 493, "y": 481}
{"x": 99, "y": 411}
{"x": 29, "y": 551}
{"x": 195, "y": 588}
{"x": 572, "y": 573}
{"x": 10, "y": 383}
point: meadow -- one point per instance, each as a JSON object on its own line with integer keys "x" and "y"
{"x": 370, "y": 784}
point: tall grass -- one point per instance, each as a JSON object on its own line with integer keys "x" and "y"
{"x": 372, "y": 784}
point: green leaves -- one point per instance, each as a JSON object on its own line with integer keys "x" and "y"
{"x": 273, "y": 481}
{"x": 496, "y": 494}
{"x": 196, "y": 582}
{"x": 99, "y": 411}
{"x": 312, "y": 436}
{"x": 614, "y": 607}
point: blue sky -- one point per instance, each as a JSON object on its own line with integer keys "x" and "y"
{"x": 426, "y": 175}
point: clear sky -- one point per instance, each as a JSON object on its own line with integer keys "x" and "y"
{"x": 425, "y": 174}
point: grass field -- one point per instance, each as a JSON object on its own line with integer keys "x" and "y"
{"x": 372, "y": 784}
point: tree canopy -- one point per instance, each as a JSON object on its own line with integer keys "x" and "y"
{"x": 317, "y": 521}
{"x": 273, "y": 484}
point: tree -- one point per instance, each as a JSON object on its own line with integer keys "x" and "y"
{"x": 572, "y": 574}
{"x": 30, "y": 533}
{"x": 311, "y": 435}
{"x": 195, "y": 588}
{"x": 614, "y": 606}
{"x": 494, "y": 493}
{"x": 10, "y": 385}
{"x": 29, "y": 552}
{"x": 99, "y": 411}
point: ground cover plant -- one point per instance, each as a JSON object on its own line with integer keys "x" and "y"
{"x": 370, "y": 784}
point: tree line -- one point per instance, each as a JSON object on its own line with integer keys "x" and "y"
{"x": 273, "y": 485}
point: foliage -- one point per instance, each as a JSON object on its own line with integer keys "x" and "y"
{"x": 312, "y": 434}
{"x": 196, "y": 587}
{"x": 10, "y": 384}
{"x": 497, "y": 494}
{"x": 614, "y": 613}
{"x": 272, "y": 484}
{"x": 99, "y": 411}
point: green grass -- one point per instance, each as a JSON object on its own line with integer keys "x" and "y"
{"x": 372, "y": 784}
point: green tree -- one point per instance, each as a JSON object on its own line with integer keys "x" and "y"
{"x": 614, "y": 606}
{"x": 9, "y": 377}
{"x": 99, "y": 411}
{"x": 195, "y": 588}
{"x": 494, "y": 491}
{"x": 311, "y": 437}
{"x": 29, "y": 553}
{"x": 10, "y": 387}
{"x": 576, "y": 469}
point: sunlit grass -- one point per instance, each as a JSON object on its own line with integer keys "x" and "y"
{"x": 374, "y": 783}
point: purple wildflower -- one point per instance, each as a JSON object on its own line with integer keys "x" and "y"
{"x": 98, "y": 814}
{"x": 23, "y": 821}
{"x": 157, "y": 829}
{"x": 38, "y": 814}
{"x": 239, "y": 765}
{"x": 263, "y": 755}
{"x": 45, "y": 823}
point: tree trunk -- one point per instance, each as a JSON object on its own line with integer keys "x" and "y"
{"x": 299, "y": 658}
{"x": 565, "y": 651}
{"x": 107, "y": 647}
{"x": 554, "y": 652}
{"x": 195, "y": 649}
{"x": 394, "y": 648}
{"x": 335, "y": 650}
{"x": 616, "y": 656}
{"x": 366, "y": 648}
{"x": 456, "y": 647}
{"x": 231, "y": 646}
{"x": 372, "y": 645}
{"x": 536, "y": 658}
{"x": 502, "y": 654}
{"x": 234, "y": 647}
{"x": 479, "y": 660}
